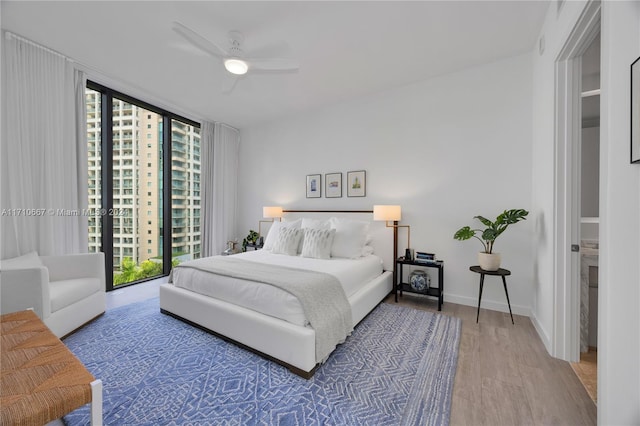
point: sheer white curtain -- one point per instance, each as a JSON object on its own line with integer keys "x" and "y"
{"x": 219, "y": 185}
{"x": 44, "y": 152}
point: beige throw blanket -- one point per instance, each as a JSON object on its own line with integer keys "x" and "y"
{"x": 322, "y": 297}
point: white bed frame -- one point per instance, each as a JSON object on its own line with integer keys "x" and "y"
{"x": 288, "y": 344}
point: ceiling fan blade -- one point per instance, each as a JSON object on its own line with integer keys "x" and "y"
{"x": 197, "y": 40}
{"x": 229, "y": 84}
{"x": 274, "y": 65}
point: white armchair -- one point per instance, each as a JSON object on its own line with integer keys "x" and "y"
{"x": 64, "y": 291}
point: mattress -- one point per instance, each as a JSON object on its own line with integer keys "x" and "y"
{"x": 352, "y": 274}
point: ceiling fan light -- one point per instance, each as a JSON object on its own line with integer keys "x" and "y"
{"x": 236, "y": 66}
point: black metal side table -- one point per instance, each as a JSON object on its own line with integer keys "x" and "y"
{"x": 501, "y": 273}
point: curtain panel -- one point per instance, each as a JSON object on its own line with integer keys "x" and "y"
{"x": 219, "y": 184}
{"x": 44, "y": 152}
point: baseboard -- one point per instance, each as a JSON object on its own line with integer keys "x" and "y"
{"x": 488, "y": 304}
{"x": 544, "y": 336}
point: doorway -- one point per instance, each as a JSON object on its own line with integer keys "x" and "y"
{"x": 568, "y": 223}
{"x": 586, "y": 367}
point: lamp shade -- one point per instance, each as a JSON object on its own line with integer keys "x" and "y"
{"x": 273, "y": 211}
{"x": 388, "y": 213}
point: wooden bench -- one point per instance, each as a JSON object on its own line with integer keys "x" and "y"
{"x": 40, "y": 379}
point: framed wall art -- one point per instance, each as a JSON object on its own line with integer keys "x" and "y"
{"x": 635, "y": 111}
{"x": 333, "y": 185}
{"x": 314, "y": 186}
{"x": 357, "y": 184}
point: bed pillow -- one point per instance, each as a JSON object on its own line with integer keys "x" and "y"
{"x": 350, "y": 238}
{"x": 317, "y": 243}
{"x": 26, "y": 261}
{"x": 287, "y": 242}
{"x": 367, "y": 250}
{"x": 315, "y": 224}
{"x": 308, "y": 223}
{"x": 272, "y": 236}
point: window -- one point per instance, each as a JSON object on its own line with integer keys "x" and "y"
{"x": 114, "y": 153}
{"x": 185, "y": 175}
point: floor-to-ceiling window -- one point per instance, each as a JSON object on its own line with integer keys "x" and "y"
{"x": 185, "y": 190}
{"x": 147, "y": 214}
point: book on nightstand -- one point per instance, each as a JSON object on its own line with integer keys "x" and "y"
{"x": 422, "y": 257}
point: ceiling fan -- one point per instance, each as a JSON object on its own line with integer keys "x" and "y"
{"x": 234, "y": 59}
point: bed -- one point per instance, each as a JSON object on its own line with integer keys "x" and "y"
{"x": 216, "y": 293}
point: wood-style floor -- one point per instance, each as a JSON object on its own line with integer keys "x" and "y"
{"x": 587, "y": 371}
{"x": 504, "y": 377}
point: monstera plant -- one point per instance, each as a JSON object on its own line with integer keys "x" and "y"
{"x": 489, "y": 260}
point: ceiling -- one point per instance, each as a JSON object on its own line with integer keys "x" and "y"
{"x": 345, "y": 49}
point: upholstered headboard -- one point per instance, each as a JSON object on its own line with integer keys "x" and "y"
{"x": 381, "y": 236}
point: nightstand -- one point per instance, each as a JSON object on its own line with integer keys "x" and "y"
{"x": 400, "y": 286}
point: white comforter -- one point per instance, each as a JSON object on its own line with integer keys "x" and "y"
{"x": 351, "y": 273}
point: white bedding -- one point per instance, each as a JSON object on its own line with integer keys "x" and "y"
{"x": 272, "y": 301}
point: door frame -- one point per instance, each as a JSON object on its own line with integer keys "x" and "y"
{"x": 567, "y": 164}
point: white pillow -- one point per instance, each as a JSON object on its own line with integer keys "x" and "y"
{"x": 287, "y": 242}
{"x": 29, "y": 260}
{"x": 312, "y": 224}
{"x": 350, "y": 238}
{"x": 317, "y": 243}
{"x": 315, "y": 224}
{"x": 367, "y": 250}
{"x": 272, "y": 236}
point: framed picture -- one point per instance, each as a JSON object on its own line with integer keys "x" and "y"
{"x": 333, "y": 185}
{"x": 357, "y": 184}
{"x": 635, "y": 111}
{"x": 314, "y": 186}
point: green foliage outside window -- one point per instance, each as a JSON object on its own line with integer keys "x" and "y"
{"x": 131, "y": 272}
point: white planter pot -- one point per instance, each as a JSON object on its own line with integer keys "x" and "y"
{"x": 489, "y": 262}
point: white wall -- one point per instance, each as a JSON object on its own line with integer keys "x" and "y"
{"x": 446, "y": 149}
{"x": 619, "y": 280}
{"x": 619, "y": 272}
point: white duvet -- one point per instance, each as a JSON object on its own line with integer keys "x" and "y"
{"x": 352, "y": 274}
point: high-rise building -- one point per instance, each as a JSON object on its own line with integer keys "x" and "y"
{"x": 138, "y": 183}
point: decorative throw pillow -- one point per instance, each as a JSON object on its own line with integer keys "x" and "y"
{"x": 308, "y": 223}
{"x": 317, "y": 243}
{"x": 350, "y": 238}
{"x": 26, "y": 261}
{"x": 287, "y": 242}
{"x": 274, "y": 231}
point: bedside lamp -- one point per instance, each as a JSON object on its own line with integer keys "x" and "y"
{"x": 269, "y": 213}
{"x": 393, "y": 214}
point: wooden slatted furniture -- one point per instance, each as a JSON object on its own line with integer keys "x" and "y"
{"x": 40, "y": 379}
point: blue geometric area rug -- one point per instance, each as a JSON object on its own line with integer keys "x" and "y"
{"x": 397, "y": 368}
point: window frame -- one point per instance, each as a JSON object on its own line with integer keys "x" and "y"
{"x": 106, "y": 175}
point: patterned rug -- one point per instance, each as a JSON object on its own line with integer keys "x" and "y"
{"x": 397, "y": 368}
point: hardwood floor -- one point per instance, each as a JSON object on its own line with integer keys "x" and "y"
{"x": 587, "y": 371}
{"x": 504, "y": 377}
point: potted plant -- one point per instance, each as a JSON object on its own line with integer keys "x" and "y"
{"x": 249, "y": 239}
{"x": 487, "y": 259}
